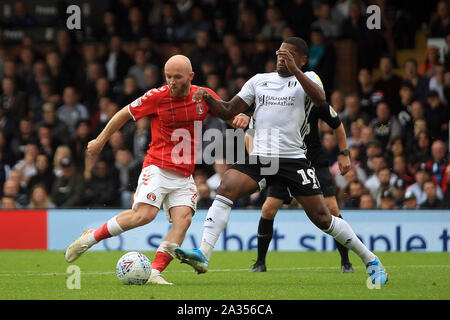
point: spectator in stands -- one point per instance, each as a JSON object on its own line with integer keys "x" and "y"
{"x": 299, "y": 15}
{"x": 353, "y": 112}
{"x": 338, "y": 103}
{"x": 441, "y": 26}
{"x": 70, "y": 58}
{"x": 59, "y": 130}
{"x": 168, "y": 28}
{"x": 410, "y": 201}
{"x": 366, "y": 92}
{"x": 437, "y": 166}
{"x": 322, "y": 59}
{"x": 387, "y": 200}
{"x": 79, "y": 141}
{"x": 11, "y": 188}
{"x": 8, "y": 202}
{"x": 8, "y": 129}
{"x": 398, "y": 190}
{"x": 68, "y": 189}
{"x": 13, "y": 101}
{"x": 130, "y": 91}
{"x": 272, "y": 28}
{"x": 384, "y": 177}
{"x": 422, "y": 144}
{"x": 44, "y": 175}
{"x": 27, "y": 166}
{"x": 422, "y": 175}
{"x": 59, "y": 79}
{"x": 202, "y": 51}
{"x": 437, "y": 116}
{"x": 247, "y": 26}
{"x": 116, "y": 60}
{"x": 420, "y": 84}
{"x": 385, "y": 126}
{"x": 400, "y": 168}
{"x": 128, "y": 169}
{"x": 72, "y": 110}
{"x": 25, "y": 136}
{"x": 108, "y": 27}
{"x": 330, "y": 28}
{"x": 137, "y": 71}
{"x": 403, "y": 109}
{"x": 389, "y": 82}
{"x": 101, "y": 186}
{"x": 25, "y": 68}
{"x": 377, "y": 163}
{"x": 366, "y": 202}
{"x": 354, "y": 191}
{"x": 141, "y": 138}
{"x": 220, "y": 26}
{"x": 432, "y": 201}
{"x": 21, "y": 17}
{"x": 89, "y": 89}
{"x": 40, "y": 199}
{"x": 431, "y": 59}
{"x": 437, "y": 82}
{"x": 135, "y": 27}
{"x": 46, "y": 144}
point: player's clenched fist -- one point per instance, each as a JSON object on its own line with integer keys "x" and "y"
{"x": 199, "y": 95}
{"x": 241, "y": 121}
{"x": 94, "y": 147}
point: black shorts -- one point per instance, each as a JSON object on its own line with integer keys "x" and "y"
{"x": 295, "y": 174}
{"x": 323, "y": 174}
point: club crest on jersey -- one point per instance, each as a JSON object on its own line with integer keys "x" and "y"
{"x": 292, "y": 84}
{"x": 199, "y": 108}
{"x": 151, "y": 196}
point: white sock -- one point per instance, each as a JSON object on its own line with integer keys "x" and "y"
{"x": 341, "y": 231}
{"x": 215, "y": 222}
{"x": 168, "y": 247}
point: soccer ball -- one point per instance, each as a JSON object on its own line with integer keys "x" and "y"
{"x": 133, "y": 268}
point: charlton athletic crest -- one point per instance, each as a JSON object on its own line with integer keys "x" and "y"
{"x": 200, "y": 108}
{"x": 151, "y": 196}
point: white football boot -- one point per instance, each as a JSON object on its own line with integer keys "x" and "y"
{"x": 157, "y": 278}
{"x": 78, "y": 247}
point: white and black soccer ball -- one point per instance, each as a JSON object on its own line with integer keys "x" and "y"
{"x": 133, "y": 268}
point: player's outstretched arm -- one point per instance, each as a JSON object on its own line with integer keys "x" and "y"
{"x": 224, "y": 110}
{"x": 95, "y": 146}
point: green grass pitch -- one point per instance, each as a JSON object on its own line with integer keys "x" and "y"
{"x": 291, "y": 276}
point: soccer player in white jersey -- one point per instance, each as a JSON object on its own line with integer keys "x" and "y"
{"x": 283, "y": 100}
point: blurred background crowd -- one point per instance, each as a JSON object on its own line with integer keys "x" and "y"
{"x": 59, "y": 87}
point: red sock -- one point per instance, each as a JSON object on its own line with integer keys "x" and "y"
{"x": 161, "y": 261}
{"x": 102, "y": 233}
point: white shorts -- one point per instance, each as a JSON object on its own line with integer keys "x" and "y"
{"x": 158, "y": 187}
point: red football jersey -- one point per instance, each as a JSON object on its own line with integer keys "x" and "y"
{"x": 172, "y": 124}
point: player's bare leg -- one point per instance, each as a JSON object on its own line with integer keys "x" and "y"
{"x": 234, "y": 185}
{"x": 317, "y": 211}
{"x": 181, "y": 220}
{"x": 124, "y": 221}
{"x": 346, "y": 266}
{"x": 265, "y": 231}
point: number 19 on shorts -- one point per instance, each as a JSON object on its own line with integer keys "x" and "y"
{"x": 310, "y": 173}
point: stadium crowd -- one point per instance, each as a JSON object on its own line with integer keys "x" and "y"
{"x": 56, "y": 97}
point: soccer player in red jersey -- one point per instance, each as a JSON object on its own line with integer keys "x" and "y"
{"x": 166, "y": 178}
